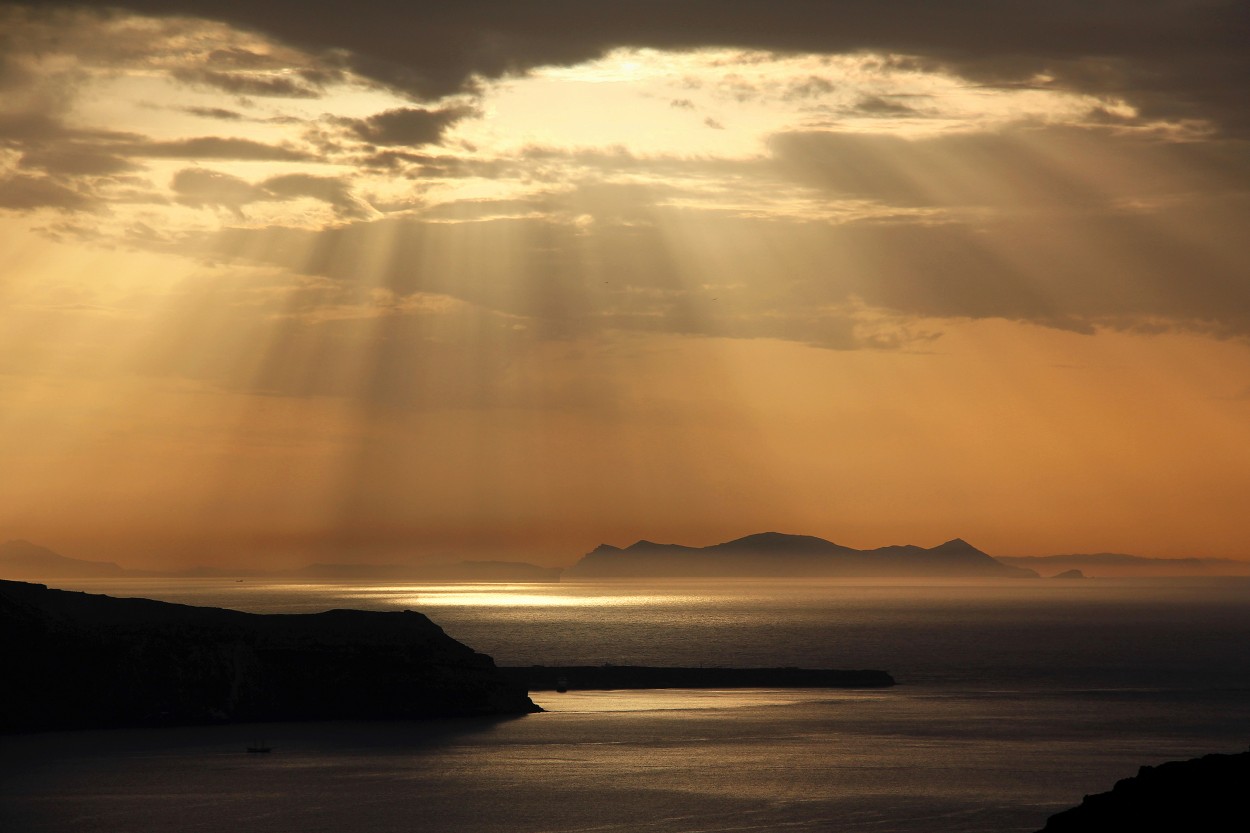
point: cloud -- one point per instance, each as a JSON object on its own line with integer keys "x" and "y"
{"x": 196, "y": 187}
{"x": 1139, "y": 234}
{"x": 332, "y": 190}
{"x": 25, "y": 193}
{"x": 1026, "y": 168}
{"x": 241, "y": 58}
{"x": 411, "y": 126}
{"x": 75, "y": 160}
{"x": 1104, "y": 222}
{"x": 558, "y": 280}
{"x": 213, "y": 113}
{"x": 21, "y": 127}
{"x": 215, "y": 147}
{"x": 876, "y": 105}
{"x": 247, "y": 85}
{"x": 1173, "y": 58}
{"x": 422, "y": 163}
{"x": 811, "y": 87}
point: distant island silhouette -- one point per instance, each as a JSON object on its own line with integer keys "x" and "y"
{"x": 1117, "y": 564}
{"x": 775, "y": 554}
{"x": 761, "y": 555}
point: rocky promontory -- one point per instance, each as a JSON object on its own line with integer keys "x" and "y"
{"x": 1206, "y": 793}
{"x": 78, "y": 660}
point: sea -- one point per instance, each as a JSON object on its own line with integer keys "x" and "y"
{"x": 1015, "y": 698}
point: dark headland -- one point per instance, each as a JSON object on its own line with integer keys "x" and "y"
{"x": 78, "y": 660}
{"x": 81, "y": 660}
{"x": 1207, "y": 793}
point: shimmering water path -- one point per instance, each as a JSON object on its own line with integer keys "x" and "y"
{"x": 1016, "y": 702}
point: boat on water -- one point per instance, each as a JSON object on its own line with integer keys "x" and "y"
{"x": 259, "y": 748}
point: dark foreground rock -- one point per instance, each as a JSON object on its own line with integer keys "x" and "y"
{"x": 77, "y": 660}
{"x": 1207, "y": 794}
{"x": 607, "y": 677}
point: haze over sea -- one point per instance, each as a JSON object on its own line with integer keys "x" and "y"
{"x": 1016, "y": 698}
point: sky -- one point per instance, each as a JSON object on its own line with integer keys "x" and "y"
{"x": 288, "y": 282}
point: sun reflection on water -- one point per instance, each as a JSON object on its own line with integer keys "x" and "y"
{"x": 509, "y": 595}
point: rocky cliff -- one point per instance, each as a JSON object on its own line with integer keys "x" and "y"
{"x": 80, "y": 660}
{"x": 1206, "y": 793}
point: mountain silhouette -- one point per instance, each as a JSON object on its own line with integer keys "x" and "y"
{"x": 776, "y": 554}
{"x": 21, "y": 559}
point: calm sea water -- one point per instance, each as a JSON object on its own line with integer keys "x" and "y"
{"x": 1016, "y": 698}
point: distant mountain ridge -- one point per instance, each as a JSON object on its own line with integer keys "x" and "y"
{"x": 761, "y": 554}
{"x": 21, "y": 560}
{"x": 776, "y": 554}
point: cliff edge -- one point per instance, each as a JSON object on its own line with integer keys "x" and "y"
{"x": 1206, "y": 793}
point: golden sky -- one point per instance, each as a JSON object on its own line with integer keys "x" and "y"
{"x": 287, "y": 282}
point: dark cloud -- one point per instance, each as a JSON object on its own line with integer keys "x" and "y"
{"x": 422, "y": 163}
{"x": 1175, "y": 58}
{"x": 198, "y": 187}
{"x": 331, "y": 190}
{"x": 411, "y": 126}
{"x": 876, "y": 105}
{"x": 24, "y": 193}
{"x": 247, "y": 85}
{"x": 811, "y": 87}
{"x": 1023, "y": 169}
{"x": 238, "y": 58}
{"x": 22, "y": 128}
{"x": 73, "y": 160}
{"x": 213, "y": 113}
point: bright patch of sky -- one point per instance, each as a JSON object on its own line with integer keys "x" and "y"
{"x": 204, "y": 122}
{"x": 727, "y": 103}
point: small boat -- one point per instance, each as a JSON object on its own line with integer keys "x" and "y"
{"x": 562, "y": 685}
{"x": 259, "y": 748}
